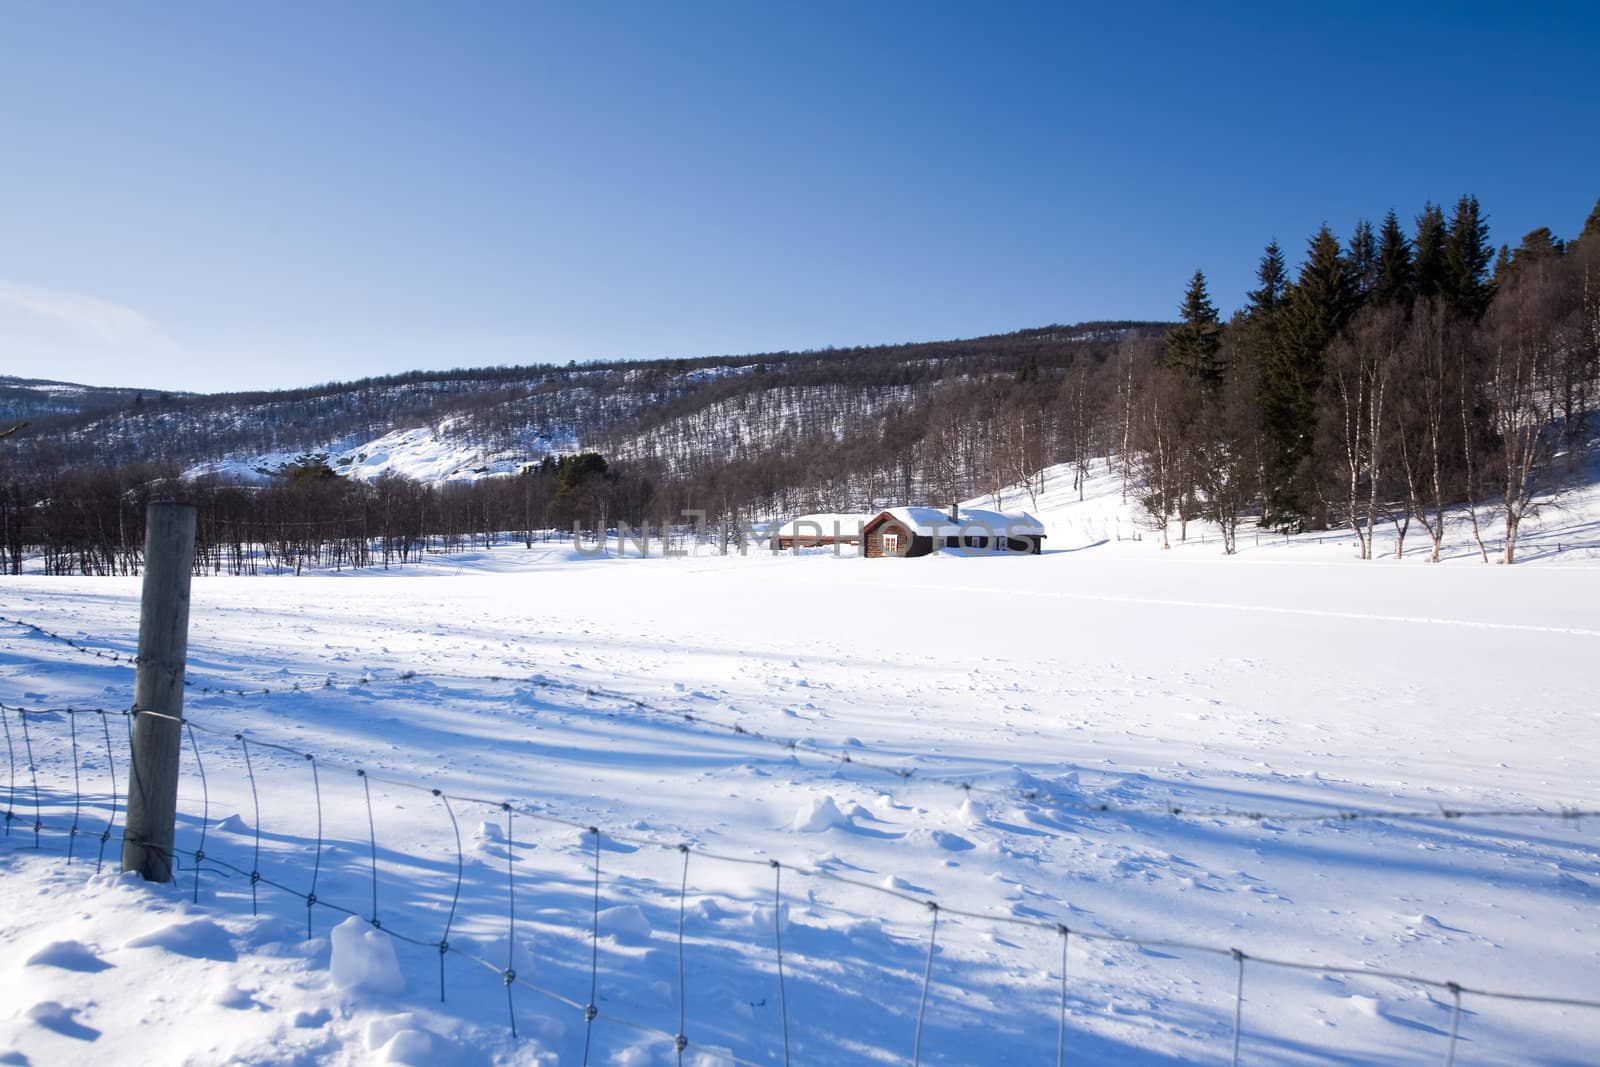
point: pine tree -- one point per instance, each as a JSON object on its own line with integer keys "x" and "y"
{"x": 1193, "y": 345}
{"x": 1467, "y": 255}
{"x": 1396, "y": 276}
{"x": 1364, "y": 259}
{"x": 1502, "y": 264}
{"x": 1253, "y": 333}
{"x": 1591, "y": 226}
{"x": 1429, "y": 259}
{"x": 1273, "y": 275}
{"x": 1320, "y": 303}
{"x": 1536, "y": 245}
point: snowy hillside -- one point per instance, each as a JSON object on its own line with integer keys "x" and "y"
{"x": 1117, "y": 712}
{"x": 1564, "y": 529}
{"x": 421, "y": 454}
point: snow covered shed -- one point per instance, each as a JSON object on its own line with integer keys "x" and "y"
{"x": 812, "y": 531}
{"x": 921, "y": 531}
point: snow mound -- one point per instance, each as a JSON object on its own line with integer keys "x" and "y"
{"x": 67, "y": 955}
{"x": 626, "y": 924}
{"x": 818, "y": 814}
{"x": 199, "y": 939}
{"x": 973, "y": 813}
{"x": 408, "y": 1046}
{"x": 399, "y": 1039}
{"x": 57, "y": 1017}
{"x": 363, "y": 959}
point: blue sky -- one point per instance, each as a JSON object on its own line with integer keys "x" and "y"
{"x": 258, "y": 195}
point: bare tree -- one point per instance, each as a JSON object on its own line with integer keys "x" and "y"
{"x": 1424, "y": 430}
{"x": 1167, "y": 404}
{"x": 1356, "y": 376}
{"x": 1524, "y": 329}
{"x": 1227, "y": 447}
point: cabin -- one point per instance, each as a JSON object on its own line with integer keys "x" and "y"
{"x": 821, "y": 531}
{"x": 922, "y": 531}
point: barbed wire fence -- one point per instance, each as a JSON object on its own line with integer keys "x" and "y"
{"x": 60, "y": 820}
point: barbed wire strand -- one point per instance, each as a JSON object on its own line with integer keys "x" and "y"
{"x": 591, "y": 1010}
{"x": 205, "y": 811}
{"x": 11, "y": 760}
{"x": 444, "y": 939}
{"x": 510, "y": 973}
{"x": 111, "y": 770}
{"x": 316, "y": 866}
{"x": 777, "y": 938}
{"x": 372, "y": 843}
{"x": 927, "y": 980}
{"x": 77, "y": 790}
{"x": 681, "y": 1040}
{"x": 255, "y": 801}
{"x": 33, "y": 772}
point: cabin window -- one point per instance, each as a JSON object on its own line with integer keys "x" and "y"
{"x": 891, "y": 542}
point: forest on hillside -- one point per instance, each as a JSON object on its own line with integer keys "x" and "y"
{"x": 1390, "y": 379}
{"x": 1397, "y": 376}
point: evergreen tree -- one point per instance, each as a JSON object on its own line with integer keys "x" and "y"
{"x": 1272, "y": 274}
{"x": 1364, "y": 259}
{"x": 1467, "y": 255}
{"x": 1502, "y": 264}
{"x": 1396, "y": 277}
{"x": 1429, "y": 259}
{"x": 1320, "y": 303}
{"x": 1253, "y": 333}
{"x": 1591, "y": 226}
{"x": 1536, "y": 245}
{"x": 1193, "y": 344}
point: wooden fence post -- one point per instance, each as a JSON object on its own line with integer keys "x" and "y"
{"x": 158, "y": 687}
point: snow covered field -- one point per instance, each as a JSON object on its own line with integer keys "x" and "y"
{"x": 1289, "y": 679}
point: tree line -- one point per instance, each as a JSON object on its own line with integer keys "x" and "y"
{"x": 1397, "y": 377}
{"x": 1401, "y": 378}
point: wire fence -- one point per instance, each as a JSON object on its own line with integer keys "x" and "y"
{"x": 40, "y": 814}
{"x": 62, "y": 818}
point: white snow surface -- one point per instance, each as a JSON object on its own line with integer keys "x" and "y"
{"x": 1291, "y": 678}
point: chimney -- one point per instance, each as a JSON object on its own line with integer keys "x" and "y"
{"x": 955, "y": 513}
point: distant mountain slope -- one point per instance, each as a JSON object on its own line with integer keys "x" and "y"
{"x": 463, "y": 424}
{"x": 33, "y": 398}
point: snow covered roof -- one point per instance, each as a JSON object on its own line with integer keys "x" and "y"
{"x": 839, "y": 524}
{"x": 935, "y": 522}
